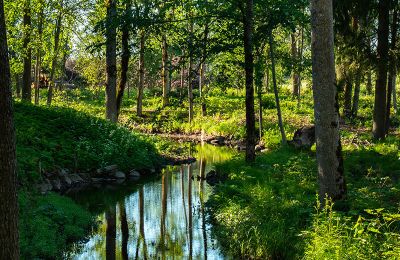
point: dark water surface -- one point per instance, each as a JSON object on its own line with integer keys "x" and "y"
{"x": 162, "y": 218}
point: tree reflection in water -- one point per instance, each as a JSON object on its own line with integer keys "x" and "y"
{"x": 158, "y": 219}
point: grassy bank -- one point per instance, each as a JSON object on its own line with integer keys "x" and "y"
{"x": 50, "y": 139}
{"x": 268, "y": 210}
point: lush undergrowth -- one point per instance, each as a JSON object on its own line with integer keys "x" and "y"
{"x": 267, "y": 210}
{"x": 50, "y": 139}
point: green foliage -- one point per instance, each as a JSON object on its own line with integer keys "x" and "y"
{"x": 260, "y": 209}
{"x": 49, "y": 139}
{"x": 373, "y": 235}
{"x": 48, "y": 224}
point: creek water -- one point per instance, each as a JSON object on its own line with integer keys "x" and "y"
{"x": 160, "y": 218}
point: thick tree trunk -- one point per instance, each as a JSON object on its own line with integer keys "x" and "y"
{"x": 124, "y": 60}
{"x": 9, "y": 248}
{"x": 295, "y": 75}
{"x": 202, "y": 71}
{"x": 329, "y": 152}
{"x": 249, "y": 69}
{"x": 139, "y": 106}
{"x": 27, "y": 76}
{"x": 379, "y": 120}
{"x": 165, "y": 70}
{"x": 392, "y": 70}
{"x": 111, "y": 61}
{"x": 278, "y": 106}
{"x": 55, "y": 56}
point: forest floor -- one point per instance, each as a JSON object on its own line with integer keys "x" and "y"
{"x": 276, "y": 196}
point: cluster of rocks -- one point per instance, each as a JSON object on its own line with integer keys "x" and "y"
{"x": 63, "y": 181}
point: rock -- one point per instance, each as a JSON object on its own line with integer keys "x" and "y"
{"x": 97, "y": 180}
{"x": 304, "y": 137}
{"x": 134, "y": 174}
{"x": 85, "y": 176}
{"x": 63, "y": 172}
{"x": 56, "y": 184}
{"x": 66, "y": 180}
{"x": 108, "y": 170}
{"x": 213, "y": 178}
{"x": 76, "y": 179}
{"x": 241, "y": 147}
{"x": 120, "y": 175}
{"x": 45, "y": 186}
{"x": 219, "y": 140}
{"x": 259, "y": 148}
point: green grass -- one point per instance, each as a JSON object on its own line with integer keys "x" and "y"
{"x": 49, "y": 139}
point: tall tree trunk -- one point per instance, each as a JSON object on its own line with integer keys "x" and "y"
{"x": 39, "y": 53}
{"x": 17, "y": 85}
{"x": 278, "y": 106}
{"x": 329, "y": 151}
{"x": 124, "y": 59}
{"x": 202, "y": 71}
{"x": 139, "y": 106}
{"x": 295, "y": 75}
{"x": 111, "y": 233}
{"x": 348, "y": 94}
{"x": 111, "y": 61}
{"x": 392, "y": 69}
{"x": 165, "y": 70}
{"x": 357, "y": 88}
{"x": 369, "y": 82}
{"x": 379, "y": 120}
{"x": 248, "y": 15}
{"x": 55, "y": 55}
{"x": 190, "y": 75}
{"x": 394, "y": 92}
{"x": 258, "y": 81}
{"x": 27, "y": 76}
{"x": 9, "y": 248}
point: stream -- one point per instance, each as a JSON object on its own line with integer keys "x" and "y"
{"x": 158, "y": 218}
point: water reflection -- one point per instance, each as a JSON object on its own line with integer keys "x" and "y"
{"x": 160, "y": 219}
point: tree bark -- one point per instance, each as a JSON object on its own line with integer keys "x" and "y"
{"x": 165, "y": 70}
{"x": 278, "y": 106}
{"x": 248, "y": 15}
{"x": 348, "y": 94}
{"x": 124, "y": 59}
{"x": 392, "y": 70}
{"x": 329, "y": 152}
{"x": 369, "y": 82}
{"x": 17, "y": 85}
{"x": 111, "y": 62}
{"x": 379, "y": 120}
{"x": 27, "y": 76}
{"x": 139, "y": 106}
{"x": 394, "y": 93}
{"x": 356, "y": 98}
{"x": 295, "y": 75}
{"x": 190, "y": 78}
{"x": 39, "y": 53}
{"x": 9, "y": 248}
{"x": 55, "y": 55}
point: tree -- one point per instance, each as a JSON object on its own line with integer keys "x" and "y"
{"x": 27, "y": 76}
{"x": 329, "y": 151}
{"x": 9, "y": 248}
{"x": 379, "y": 122}
{"x": 111, "y": 61}
{"x": 249, "y": 69}
{"x": 125, "y": 57}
